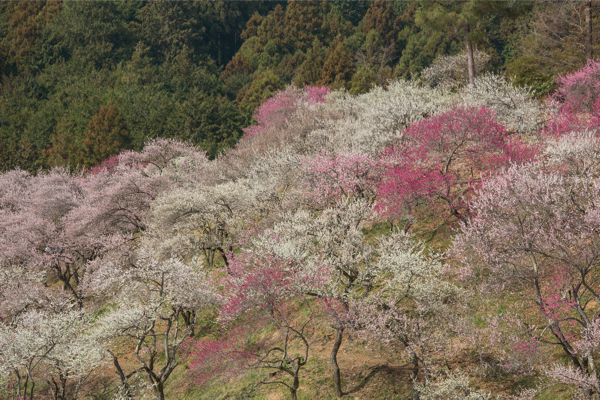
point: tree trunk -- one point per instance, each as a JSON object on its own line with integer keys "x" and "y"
{"x": 589, "y": 50}
{"x": 124, "y": 378}
{"x": 414, "y": 376}
{"x": 470, "y": 60}
{"x": 294, "y": 387}
{"x": 189, "y": 318}
{"x": 31, "y": 392}
{"x": 592, "y": 370}
{"x": 159, "y": 390}
{"x": 337, "y": 380}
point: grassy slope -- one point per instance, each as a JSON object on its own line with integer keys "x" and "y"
{"x": 367, "y": 373}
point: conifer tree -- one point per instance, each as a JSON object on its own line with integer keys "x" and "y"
{"x": 303, "y": 21}
{"x": 272, "y": 28}
{"x": 262, "y": 87}
{"x": 465, "y": 18}
{"x": 252, "y": 26}
{"x": 338, "y": 66}
{"x": 25, "y": 22}
{"x": 106, "y": 135}
{"x": 383, "y": 19}
{"x": 310, "y": 71}
{"x": 64, "y": 150}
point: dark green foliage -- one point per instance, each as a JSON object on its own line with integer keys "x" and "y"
{"x": 195, "y": 70}
{"x": 311, "y": 69}
{"x": 383, "y": 19}
{"x": 338, "y": 67}
{"x": 525, "y": 71}
{"x": 421, "y": 49}
{"x": 303, "y": 22}
{"x": 98, "y": 33}
{"x": 263, "y": 87}
{"x": 548, "y": 40}
{"x": 374, "y": 61}
{"x": 353, "y": 11}
{"x": 212, "y": 123}
{"x": 65, "y": 151}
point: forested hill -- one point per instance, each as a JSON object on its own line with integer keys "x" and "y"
{"x": 82, "y": 81}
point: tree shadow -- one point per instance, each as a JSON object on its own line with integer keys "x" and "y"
{"x": 380, "y": 369}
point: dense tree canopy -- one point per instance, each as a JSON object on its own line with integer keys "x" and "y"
{"x": 197, "y": 70}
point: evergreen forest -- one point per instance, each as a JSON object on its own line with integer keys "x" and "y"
{"x": 83, "y": 81}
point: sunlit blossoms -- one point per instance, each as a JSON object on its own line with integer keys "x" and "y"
{"x": 453, "y": 232}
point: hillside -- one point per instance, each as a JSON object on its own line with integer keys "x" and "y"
{"x": 195, "y": 71}
{"x": 429, "y": 238}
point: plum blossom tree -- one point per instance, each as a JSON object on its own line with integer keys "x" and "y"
{"x": 263, "y": 287}
{"x": 536, "y": 232}
{"x": 59, "y": 222}
{"x": 21, "y": 290}
{"x": 449, "y": 72}
{"x": 370, "y": 122}
{"x": 567, "y": 374}
{"x": 213, "y": 359}
{"x": 514, "y": 106}
{"x": 575, "y": 153}
{"x": 206, "y": 220}
{"x": 156, "y": 297}
{"x": 580, "y": 90}
{"x": 276, "y": 177}
{"x": 118, "y": 193}
{"x": 55, "y": 347}
{"x": 453, "y": 386}
{"x": 330, "y": 177}
{"x": 575, "y": 106}
{"x": 416, "y": 308}
{"x": 335, "y": 239}
{"x": 439, "y": 162}
{"x": 563, "y": 121}
{"x": 32, "y": 229}
{"x": 273, "y": 113}
{"x": 282, "y": 124}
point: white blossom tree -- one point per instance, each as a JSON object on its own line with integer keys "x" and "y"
{"x": 536, "y": 232}
{"x": 155, "y": 313}
{"x": 415, "y": 308}
{"x": 207, "y": 220}
{"x": 515, "y": 108}
{"x": 449, "y": 72}
{"x": 54, "y": 347}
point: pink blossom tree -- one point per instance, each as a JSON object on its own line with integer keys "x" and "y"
{"x": 439, "y": 162}
{"x": 580, "y": 90}
{"x": 332, "y": 176}
{"x": 223, "y": 357}
{"x": 263, "y": 289}
{"x": 565, "y": 120}
{"x": 536, "y": 232}
{"x": 273, "y": 113}
{"x": 118, "y": 193}
{"x": 58, "y": 222}
{"x": 33, "y": 232}
{"x": 575, "y": 106}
